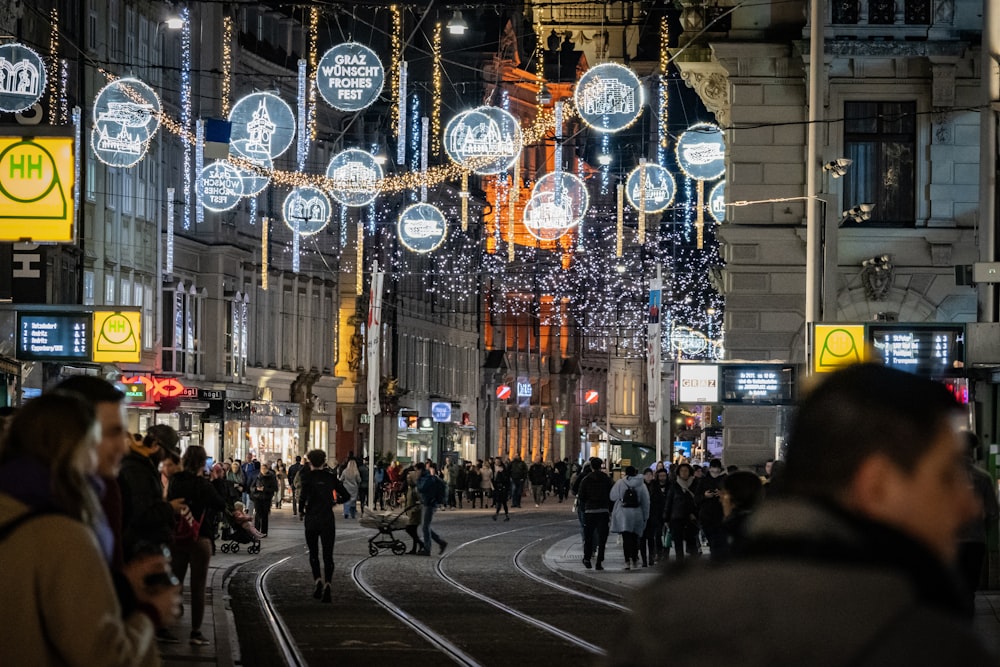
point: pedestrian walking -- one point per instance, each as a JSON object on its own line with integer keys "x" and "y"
{"x": 414, "y": 513}
{"x": 433, "y": 494}
{"x": 293, "y": 482}
{"x": 502, "y": 485}
{"x": 280, "y": 474}
{"x": 595, "y": 497}
{"x": 318, "y": 484}
{"x": 350, "y": 477}
{"x": 264, "y": 489}
{"x": 631, "y": 510}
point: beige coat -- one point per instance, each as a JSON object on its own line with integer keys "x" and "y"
{"x": 59, "y": 605}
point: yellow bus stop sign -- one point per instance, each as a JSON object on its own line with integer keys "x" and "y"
{"x": 117, "y": 336}
{"x": 838, "y": 345}
{"x": 36, "y": 188}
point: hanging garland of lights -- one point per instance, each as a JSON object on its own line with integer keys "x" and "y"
{"x": 436, "y": 100}
{"x": 227, "y": 63}
{"x": 313, "y": 67}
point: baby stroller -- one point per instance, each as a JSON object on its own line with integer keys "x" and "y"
{"x": 385, "y": 523}
{"x": 234, "y": 535}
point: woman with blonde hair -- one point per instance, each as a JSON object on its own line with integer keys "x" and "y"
{"x": 351, "y": 479}
{"x": 61, "y": 606}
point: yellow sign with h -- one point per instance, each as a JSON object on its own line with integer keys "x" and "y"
{"x": 36, "y": 188}
{"x": 117, "y": 336}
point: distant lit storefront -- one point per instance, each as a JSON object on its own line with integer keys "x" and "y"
{"x": 273, "y": 430}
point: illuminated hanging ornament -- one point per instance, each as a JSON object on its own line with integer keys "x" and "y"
{"x": 567, "y": 190}
{"x": 255, "y": 181}
{"x": 126, "y": 115}
{"x": 547, "y": 220}
{"x": 656, "y": 186}
{"x": 701, "y": 152}
{"x": 609, "y": 97}
{"x": 355, "y": 175}
{"x": 263, "y": 126}
{"x": 422, "y": 228}
{"x": 717, "y": 202}
{"x": 22, "y": 77}
{"x": 485, "y": 140}
{"x": 308, "y": 207}
{"x": 220, "y": 186}
{"x": 350, "y": 77}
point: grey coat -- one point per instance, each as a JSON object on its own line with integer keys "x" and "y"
{"x": 629, "y": 519}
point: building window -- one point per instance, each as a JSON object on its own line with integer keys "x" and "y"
{"x": 237, "y": 312}
{"x": 183, "y": 309}
{"x": 88, "y": 287}
{"x": 148, "y": 324}
{"x": 880, "y": 137}
{"x": 91, "y": 178}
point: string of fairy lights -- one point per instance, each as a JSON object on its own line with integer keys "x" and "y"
{"x": 515, "y": 268}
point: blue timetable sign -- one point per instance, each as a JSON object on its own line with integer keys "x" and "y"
{"x": 54, "y": 336}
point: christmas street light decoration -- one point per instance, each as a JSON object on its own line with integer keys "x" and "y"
{"x": 22, "y": 77}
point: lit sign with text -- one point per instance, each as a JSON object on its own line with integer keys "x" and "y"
{"x": 761, "y": 384}
{"x": 698, "y": 383}
{"x": 53, "y": 336}
{"x": 928, "y": 350}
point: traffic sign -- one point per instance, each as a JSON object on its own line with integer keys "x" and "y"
{"x": 837, "y": 345}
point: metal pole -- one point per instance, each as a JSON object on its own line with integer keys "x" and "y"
{"x": 816, "y": 56}
{"x": 990, "y": 77}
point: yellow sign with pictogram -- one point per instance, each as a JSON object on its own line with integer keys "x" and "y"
{"x": 117, "y": 336}
{"x": 838, "y": 345}
{"x": 36, "y": 188}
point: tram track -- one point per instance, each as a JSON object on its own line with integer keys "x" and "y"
{"x": 405, "y": 615}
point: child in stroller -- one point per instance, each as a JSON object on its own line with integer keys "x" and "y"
{"x": 238, "y": 529}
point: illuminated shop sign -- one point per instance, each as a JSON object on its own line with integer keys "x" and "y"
{"x": 441, "y": 411}
{"x": 159, "y": 387}
{"x": 36, "y": 188}
{"x": 698, "y": 383}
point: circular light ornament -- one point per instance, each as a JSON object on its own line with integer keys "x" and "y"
{"x": 485, "y": 140}
{"x": 254, "y": 182}
{"x": 126, "y": 115}
{"x": 309, "y": 207}
{"x": 350, "y": 77}
{"x": 659, "y": 188}
{"x": 220, "y": 186}
{"x": 263, "y": 126}
{"x": 717, "y": 202}
{"x": 422, "y": 228}
{"x": 355, "y": 175}
{"x": 568, "y": 190}
{"x": 609, "y": 97}
{"x": 22, "y": 77}
{"x": 701, "y": 152}
{"x": 547, "y": 220}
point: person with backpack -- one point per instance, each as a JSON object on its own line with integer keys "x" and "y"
{"x": 433, "y": 494}
{"x": 631, "y": 510}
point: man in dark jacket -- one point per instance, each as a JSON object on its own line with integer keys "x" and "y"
{"x": 537, "y": 476}
{"x": 854, "y": 564}
{"x": 433, "y": 494}
{"x": 293, "y": 473}
{"x": 518, "y": 473}
{"x": 316, "y": 511}
{"x": 595, "y": 497}
{"x": 708, "y": 495}
{"x": 146, "y": 516}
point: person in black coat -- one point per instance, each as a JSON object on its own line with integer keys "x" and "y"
{"x": 594, "y": 497}
{"x": 501, "y": 490}
{"x": 316, "y": 511}
{"x": 203, "y": 503}
{"x": 681, "y": 512}
{"x": 651, "y": 544}
{"x": 264, "y": 489}
{"x": 708, "y": 495}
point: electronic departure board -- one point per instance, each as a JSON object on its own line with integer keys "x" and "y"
{"x": 54, "y": 336}
{"x": 934, "y": 350}
{"x": 758, "y": 384}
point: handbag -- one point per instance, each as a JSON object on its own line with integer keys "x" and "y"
{"x": 187, "y": 529}
{"x": 665, "y": 538}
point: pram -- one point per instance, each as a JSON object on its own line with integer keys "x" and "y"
{"x": 385, "y": 523}
{"x": 234, "y": 535}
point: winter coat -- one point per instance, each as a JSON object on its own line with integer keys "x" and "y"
{"x": 352, "y": 484}
{"x": 414, "y": 512}
{"x": 486, "y": 480}
{"x": 518, "y": 470}
{"x": 709, "y": 508}
{"x": 268, "y": 485}
{"x": 819, "y": 587}
{"x": 629, "y": 519}
{"x": 594, "y": 493}
{"x": 60, "y": 605}
{"x": 681, "y": 503}
{"x": 501, "y": 482}
{"x": 146, "y": 516}
{"x": 201, "y": 498}
{"x": 537, "y": 474}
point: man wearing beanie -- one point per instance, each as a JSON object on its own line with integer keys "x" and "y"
{"x": 595, "y": 498}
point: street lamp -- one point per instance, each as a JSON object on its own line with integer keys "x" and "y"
{"x": 457, "y": 25}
